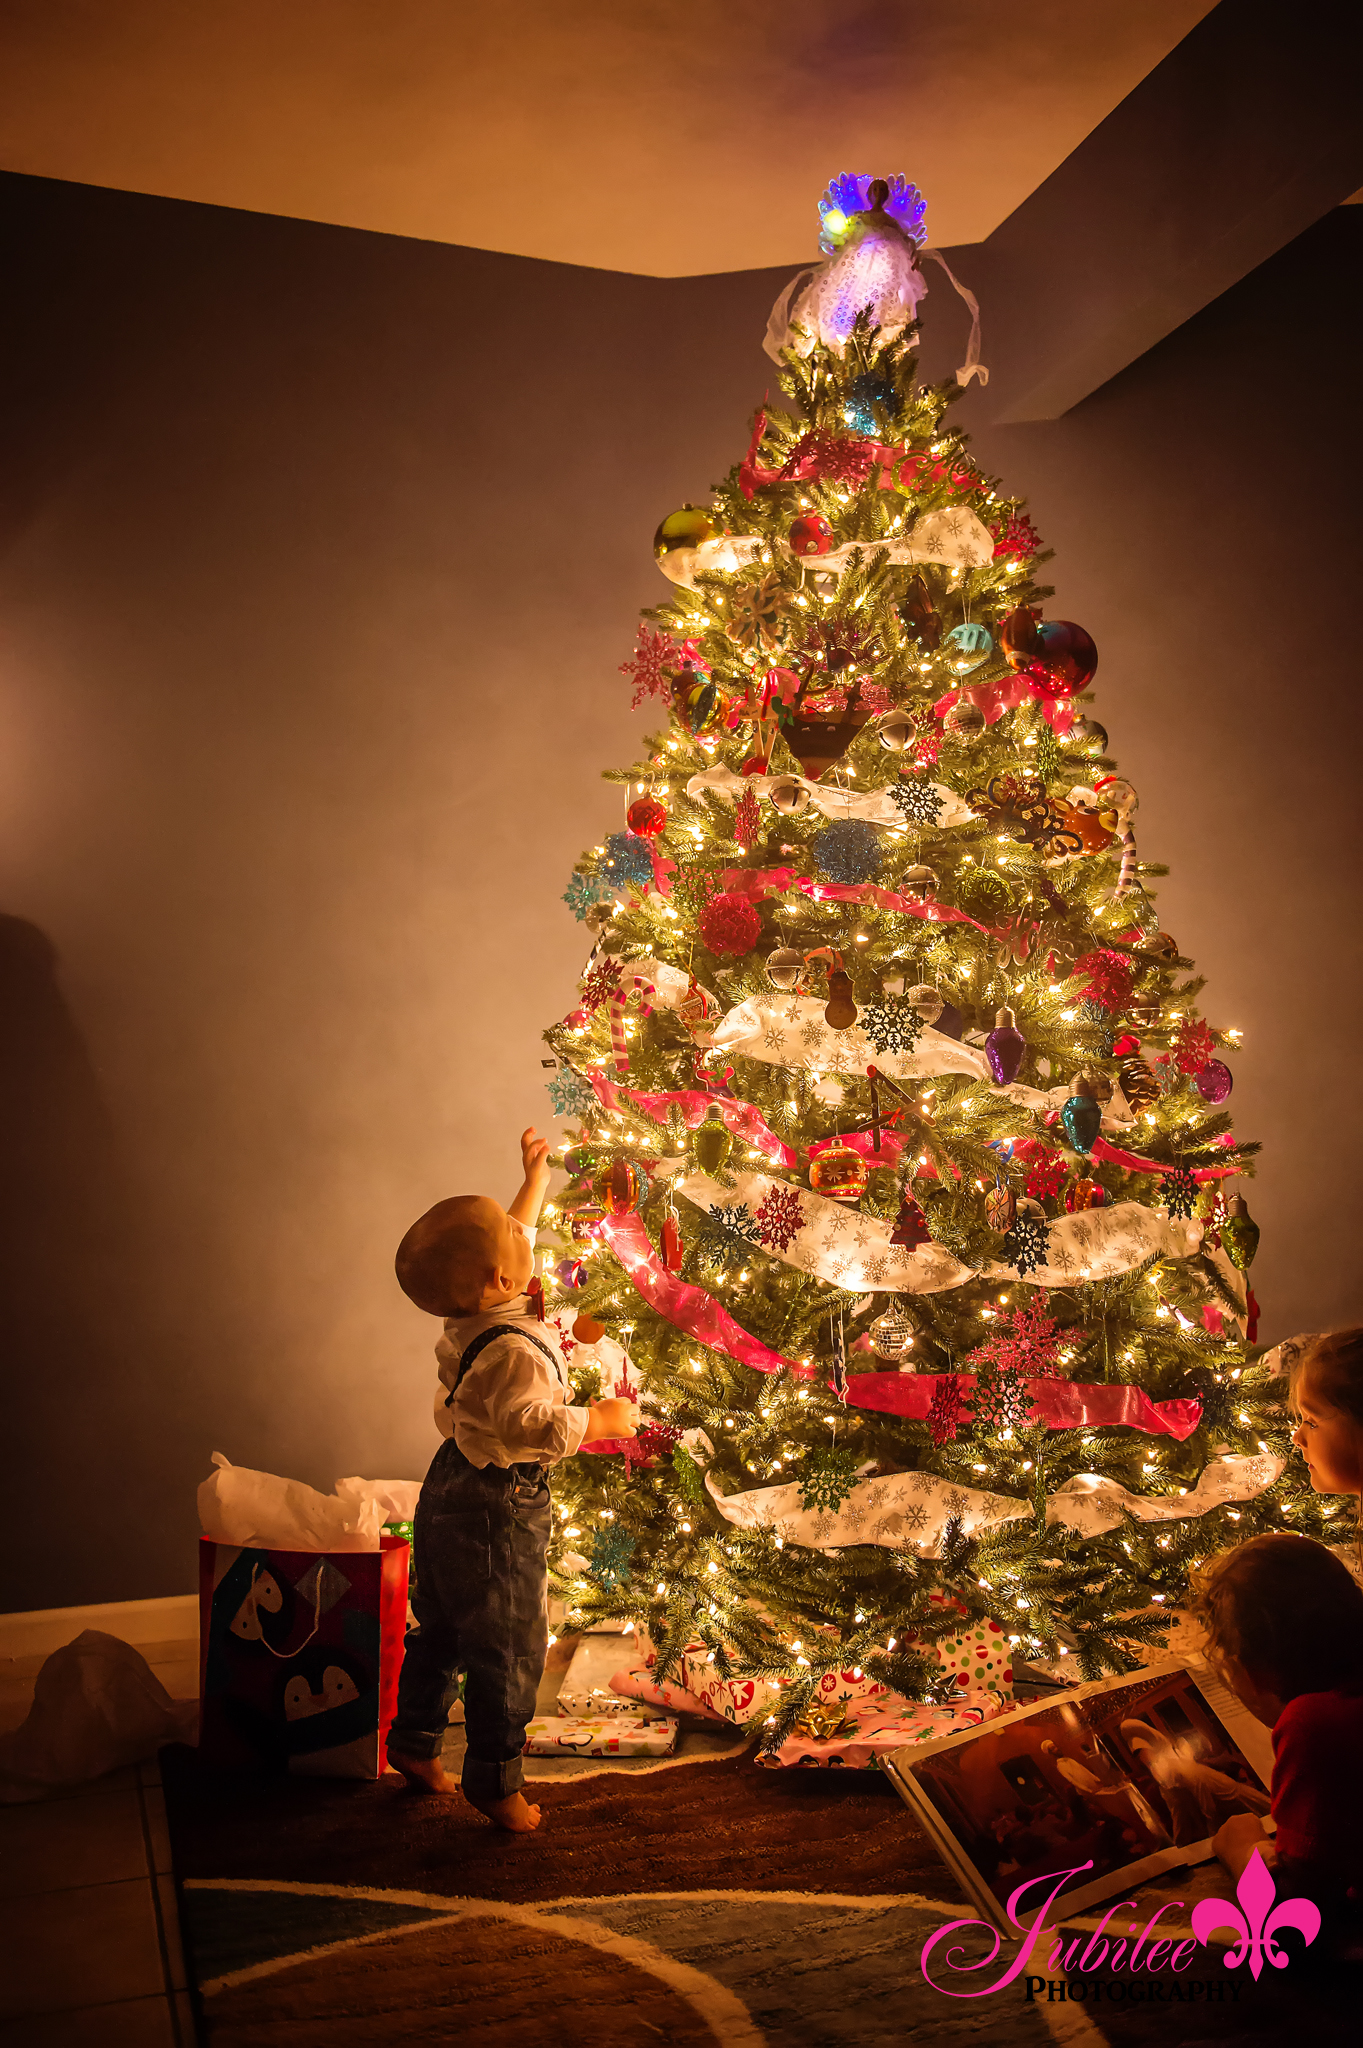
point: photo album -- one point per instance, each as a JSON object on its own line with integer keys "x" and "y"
{"x": 1133, "y": 1774}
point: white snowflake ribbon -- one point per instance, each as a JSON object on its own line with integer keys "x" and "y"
{"x": 790, "y": 1031}
{"x": 1099, "y": 1244}
{"x": 1089, "y": 1503}
{"x": 875, "y": 806}
{"x": 910, "y": 1510}
{"x": 836, "y": 1243}
{"x": 907, "y": 1510}
{"x": 954, "y": 537}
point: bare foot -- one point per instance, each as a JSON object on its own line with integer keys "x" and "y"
{"x": 511, "y": 1813}
{"x": 423, "y": 1774}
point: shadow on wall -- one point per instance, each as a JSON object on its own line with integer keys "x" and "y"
{"x": 70, "y": 1327}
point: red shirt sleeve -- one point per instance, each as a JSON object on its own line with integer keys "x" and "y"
{"x": 1317, "y": 1791}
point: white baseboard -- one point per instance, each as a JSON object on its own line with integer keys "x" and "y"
{"x": 173, "y": 1619}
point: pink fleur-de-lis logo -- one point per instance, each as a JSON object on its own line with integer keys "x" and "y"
{"x": 1256, "y": 1919}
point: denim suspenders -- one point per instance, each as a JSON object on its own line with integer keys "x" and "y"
{"x": 533, "y": 1472}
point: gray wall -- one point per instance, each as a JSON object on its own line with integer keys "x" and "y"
{"x": 319, "y": 551}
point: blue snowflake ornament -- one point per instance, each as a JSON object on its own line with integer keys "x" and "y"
{"x": 612, "y": 1550}
{"x": 569, "y": 1094}
{"x": 847, "y": 851}
{"x": 627, "y": 859}
{"x": 583, "y": 893}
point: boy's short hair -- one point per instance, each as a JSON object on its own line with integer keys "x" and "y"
{"x": 450, "y": 1255}
{"x": 1287, "y": 1611}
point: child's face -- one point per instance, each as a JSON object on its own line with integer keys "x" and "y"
{"x": 1327, "y": 1439}
{"x": 515, "y": 1264}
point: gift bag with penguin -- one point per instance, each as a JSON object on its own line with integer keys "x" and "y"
{"x": 299, "y": 1653}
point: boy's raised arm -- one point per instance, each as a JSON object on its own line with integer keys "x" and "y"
{"x": 529, "y": 1198}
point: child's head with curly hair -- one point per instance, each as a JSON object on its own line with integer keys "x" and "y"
{"x": 1283, "y": 1616}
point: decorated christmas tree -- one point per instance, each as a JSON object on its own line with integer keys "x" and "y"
{"x": 900, "y": 1171}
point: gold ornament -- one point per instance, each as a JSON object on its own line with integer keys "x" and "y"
{"x": 689, "y": 528}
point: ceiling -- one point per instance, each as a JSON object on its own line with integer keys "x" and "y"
{"x": 663, "y": 139}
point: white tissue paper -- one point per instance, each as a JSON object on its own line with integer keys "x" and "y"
{"x": 237, "y": 1505}
{"x": 97, "y": 1705}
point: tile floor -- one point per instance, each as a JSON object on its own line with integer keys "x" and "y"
{"x": 89, "y": 1936}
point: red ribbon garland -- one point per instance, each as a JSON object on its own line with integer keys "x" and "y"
{"x": 1060, "y": 1404}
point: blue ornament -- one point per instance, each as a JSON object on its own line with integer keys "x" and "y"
{"x": 867, "y": 391}
{"x": 583, "y": 892}
{"x": 847, "y": 851}
{"x": 973, "y": 644}
{"x": 612, "y": 1550}
{"x": 627, "y": 859}
{"x": 569, "y": 1095}
{"x": 1082, "y": 1117}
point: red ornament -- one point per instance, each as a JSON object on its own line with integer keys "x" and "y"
{"x": 1193, "y": 1046}
{"x": 1108, "y": 978}
{"x": 840, "y": 1173}
{"x": 811, "y": 534}
{"x": 756, "y": 764}
{"x": 910, "y": 1225}
{"x": 646, "y": 817}
{"x": 1085, "y": 1194}
{"x": 1045, "y": 1175}
{"x": 587, "y": 1330}
{"x": 1058, "y": 656}
{"x": 729, "y": 924}
{"x": 673, "y": 1248}
{"x": 747, "y": 820}
{"x": 1124, "y": 1044}
{"x": 1014, "y": 534}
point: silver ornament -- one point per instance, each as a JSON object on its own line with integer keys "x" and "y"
{"x": 895, "y": 731}
{"x": 964, "y": 720}
{"x": 922, "y": 884}
{"x": 923, "y": 998}
{"x": 892, "y": 1336}
{"x": 788, "y": 794}
{"x": 784, "y": 966}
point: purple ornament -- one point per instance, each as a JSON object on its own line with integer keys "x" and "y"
{"x": 951, "y": 1023}
{"x": 1214, "y": 1082}
{"x": 1004, "y": 1048}
{"x": 570, "y": 1273}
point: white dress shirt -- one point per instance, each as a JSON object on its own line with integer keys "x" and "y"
{"x": 512, "y": 1404}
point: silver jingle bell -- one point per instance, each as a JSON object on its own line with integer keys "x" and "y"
{"x": 788, "y": 794}
{"x": 925, "y": 999}
{"x": 895, "y": 731}
{"x": 784, "y": 967}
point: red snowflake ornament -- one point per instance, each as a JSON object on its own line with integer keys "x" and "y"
{"x": 780, "y": 1218}
{"x": 1193, "y": 1046}
{"x": 747, "y": 820}
{"x": 1014, "y": 534}
{"x": 1045, "y": 1175}
{"x": 652, "y": 664}
{"x": 600, "y": 984}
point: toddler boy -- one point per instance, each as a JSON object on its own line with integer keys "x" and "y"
{"x": 483, "y": 1519}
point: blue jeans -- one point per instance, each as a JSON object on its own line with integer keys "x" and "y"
{"x": 478, "y": 1550}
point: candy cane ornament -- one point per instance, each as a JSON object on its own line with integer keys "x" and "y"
{"x": 635, "y": 994}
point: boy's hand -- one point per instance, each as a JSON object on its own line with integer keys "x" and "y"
{"x": 535, "y": 1156}
{"x": 609, "y": 1419}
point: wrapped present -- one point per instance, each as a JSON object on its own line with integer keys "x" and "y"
{"x": 609, "y": 1701}
{"x": 978, "y": 1658}
{"x": 865, "y": 1734}
{"x": 600, "y": 1735}
{"x": 642, "y": 1686}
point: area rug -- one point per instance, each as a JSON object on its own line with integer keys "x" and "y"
{"x": 713, "y": 1902}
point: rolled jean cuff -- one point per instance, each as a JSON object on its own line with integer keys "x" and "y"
{"x": 482, "y": 1779}
{"x": 414, "y": 1742}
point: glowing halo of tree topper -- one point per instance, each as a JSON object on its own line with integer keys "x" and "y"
{"x": 850, "y": 194}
